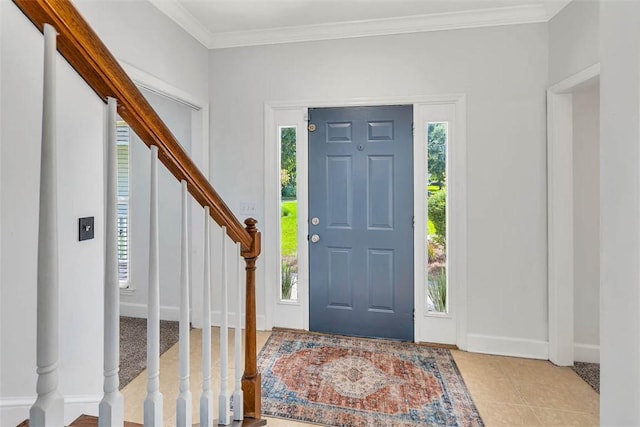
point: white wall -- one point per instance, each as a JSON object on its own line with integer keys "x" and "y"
{"x": 573, "y": 39}
{"x": 138, "y": 34}
{"x": 178, "y": 118}
{"x": 80, "y": 142}
{"x": 586, "y": 204}
{"x": 2, "y": 6}
{"x": 620, "y": 213}
{"x": 503, "y": 71}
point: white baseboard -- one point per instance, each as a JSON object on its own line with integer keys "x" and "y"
{"x": 173, "y": 313}
{"x": 531, "y": 349}
{"x": 14, "y": 410}
{"x": 130, "y": 309}
{"x": 216, "y": 320}
{"x": 586, "y": 353}
{"x": 505, "y": 346}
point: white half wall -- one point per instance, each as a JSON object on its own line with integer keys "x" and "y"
{"x": 80, "y": 144}
{"x": 586, "y": 210}
{"x": 138, "y": 34}
{"x": 503, "y": 72}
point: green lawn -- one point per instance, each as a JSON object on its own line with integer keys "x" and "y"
{"x": 288, "y": 227}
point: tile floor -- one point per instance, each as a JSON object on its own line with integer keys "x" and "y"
{"x": 508, "y": 391}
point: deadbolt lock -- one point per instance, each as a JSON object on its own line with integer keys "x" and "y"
{"x": 311, "y": 127}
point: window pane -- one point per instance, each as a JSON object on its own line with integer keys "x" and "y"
{"x": 437, "y": 283}
{"x": 288, "y": 215}
{"x": 123, "y": 242}
{"x": 123, "y": 185}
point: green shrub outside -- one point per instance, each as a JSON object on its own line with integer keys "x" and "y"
{"x": 431, "y": 229}
{"x": 287, "y": 280}
{"x": 289, "y": 190}
{"x": 437, "y": 205}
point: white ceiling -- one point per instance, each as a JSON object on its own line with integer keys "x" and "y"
{"x": 230, "y": 23}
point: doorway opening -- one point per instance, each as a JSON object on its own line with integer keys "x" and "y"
{"x": 573, "y": 218}
{"x": 448, "y": 327}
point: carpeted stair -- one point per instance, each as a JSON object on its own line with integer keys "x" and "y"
{"x": 590, "y": 373}
{"x": 133, "y": 345}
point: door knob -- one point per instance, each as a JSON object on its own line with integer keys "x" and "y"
{"x": 315, "y": 238}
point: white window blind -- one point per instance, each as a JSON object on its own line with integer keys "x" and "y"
{"x": 122, "y": 140}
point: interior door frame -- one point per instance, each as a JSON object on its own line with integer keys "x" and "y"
{"x": 294, "y": 113}
{"x": 200, "y": 153}
{"x": 560, "y": 218}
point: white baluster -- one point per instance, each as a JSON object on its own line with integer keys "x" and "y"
{"x": 153, "y": 401}
{"x": 111, "y": 409}
{"x": 224, "y": 399}
{"x": 206, "y": 399}
{"x": 238, "y": 397}
{"x": 48, "y": 409}
{"x": 183, "y": 403}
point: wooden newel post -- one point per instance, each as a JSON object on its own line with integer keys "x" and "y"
{"x": 251, "y": 380}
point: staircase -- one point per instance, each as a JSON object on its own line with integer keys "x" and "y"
{"x": 67, "y": 33}
{"x": 90, "y": 421}
{"x": 84, "y": 421}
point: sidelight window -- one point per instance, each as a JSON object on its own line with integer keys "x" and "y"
{"x": 437, "y": 283}
{"x": 288, "y": 215}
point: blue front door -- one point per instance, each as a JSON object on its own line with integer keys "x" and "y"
{"x": 361, "y": 221}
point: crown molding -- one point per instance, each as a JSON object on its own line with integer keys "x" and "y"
{"x": 381, "y": 27}
{"x": 181, "y": 16}
{"x": 554, "y": 7}
{"x": 526, "y": 14}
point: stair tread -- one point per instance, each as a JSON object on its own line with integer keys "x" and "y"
{"x": 91, "y": 421}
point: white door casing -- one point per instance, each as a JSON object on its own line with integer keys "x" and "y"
{"x": 429, "y": 327}
{"x": 560, "y": 213}
{"x": 200, "y": 155}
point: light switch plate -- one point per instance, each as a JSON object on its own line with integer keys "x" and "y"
{"x": 85, "y": 228}
{"x": 248, "y": 208}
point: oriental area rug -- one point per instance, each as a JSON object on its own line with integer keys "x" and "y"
{"x": 344, "y": 381}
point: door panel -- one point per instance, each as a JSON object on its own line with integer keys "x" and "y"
{"x": 380, "y": 280}
{"x": 380, "y": 192}
{"x": 361, "y": 192}
{"x": 340, "y": 284}
{"x": 339, "y": 194}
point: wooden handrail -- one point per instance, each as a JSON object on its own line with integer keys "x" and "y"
{"x": 86, "y": 53}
